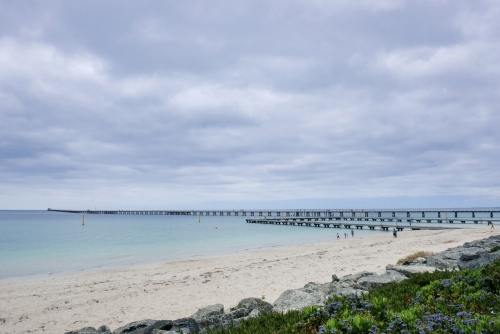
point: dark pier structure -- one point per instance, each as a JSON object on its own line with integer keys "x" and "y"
{"x": 399, "y": 215}
{"x": 336, "y": 218}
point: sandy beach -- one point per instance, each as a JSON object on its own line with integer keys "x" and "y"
{"x": 170, "y": 290}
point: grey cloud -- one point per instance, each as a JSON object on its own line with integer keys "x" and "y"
{"x": 214, "y": 102}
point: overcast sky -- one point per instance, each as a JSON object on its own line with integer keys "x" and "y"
{"x": 232, "y": 104}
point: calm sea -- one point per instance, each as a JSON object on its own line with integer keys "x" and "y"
{"x": 42, "y": 242}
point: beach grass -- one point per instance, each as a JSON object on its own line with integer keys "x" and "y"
{"x": 414, "y": 256}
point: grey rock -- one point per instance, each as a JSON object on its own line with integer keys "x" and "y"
{"x": 86, "y": 330}
{"x": 372, "y": 281}
{"x": 311, "y": 294}
{"x": 344, "y": 289}
{"x": 254, "y": 314}
{"x": 494, "y": 255}
{"x": 419, "y": 261}
{"x": 485, "y": 244}
{"x": 335, "y": 278}
{"x": 295, "y": 299}
{"x": 186, "y": 325}
{"x": 409, "y": 271}
{"x": 439, "y": 262}
{"x": 223, "y": 318}
{"x": 104, "y": 330}
{"x": 208, "y": 312}
{"x": 472, "y": 253}
{"x": 322, "y": 290}
{"x": 134, "y": 327}
{"x": 252, "y": 304}
{"x": 473, "y": 263}
{"x": 355, "y": 277}
{"x": 164, "y": 325}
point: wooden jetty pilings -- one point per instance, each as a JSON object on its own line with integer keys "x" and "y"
{"x": 345, "y": 224}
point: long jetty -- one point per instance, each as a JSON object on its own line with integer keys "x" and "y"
{"x": 410, "y": 215}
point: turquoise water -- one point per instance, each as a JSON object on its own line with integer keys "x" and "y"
{"x": 42, "y": 242}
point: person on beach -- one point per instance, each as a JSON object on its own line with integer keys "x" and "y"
{"x": 492, "y": 227}
{"x": 395, "y": 233}
{"x": 345, "y": 235}
{"x": 338, "y": 237}
{"x": 352, "y": 232}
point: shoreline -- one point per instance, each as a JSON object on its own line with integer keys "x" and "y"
{"x": 177, "y": 288}
{"x": 156, "y": 261}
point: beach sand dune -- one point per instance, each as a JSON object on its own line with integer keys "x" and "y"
{"x": 170, "y": 290}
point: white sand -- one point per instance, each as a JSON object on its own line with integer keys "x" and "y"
{"x": 171, "y": 290}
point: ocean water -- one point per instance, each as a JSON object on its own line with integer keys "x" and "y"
{"x": 42, "y": 242}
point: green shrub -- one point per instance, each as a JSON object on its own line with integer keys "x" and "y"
{"x": 466, "y": 301}
{"x": 494, "y": 249}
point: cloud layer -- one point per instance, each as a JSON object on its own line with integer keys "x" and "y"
{"x": 179, "y": 104}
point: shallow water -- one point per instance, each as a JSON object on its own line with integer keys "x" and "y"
{"x": 41, "y": 242}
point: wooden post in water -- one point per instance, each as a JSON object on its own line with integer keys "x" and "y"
{"x": 83, "y": 219}
{"x": 198, "y": 218}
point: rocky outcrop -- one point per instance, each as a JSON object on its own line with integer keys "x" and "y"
{"x": 469, "y": 256}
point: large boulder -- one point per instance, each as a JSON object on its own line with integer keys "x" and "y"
{"x": 469, "y": 256}
{"x": 251, "y": 304}
{"x": 346, "y": 285}
{"x": 225, "y": 319}
{"x": 161, "y": 325}
{"x": 294, "y": 300}
{"x": 409, "y": 271}
{"x": 104, "y": 330}
{"x": 370, "y": 282}
{"x": 134, "y": 327}
{"x": 311, "y": 294}
{"x": 446, "y": 260}
{"x": 486, "y": 244}
{"x": 208, "y": 312}
{"x": 184, "y": 325}
{"x": 353, "y": 278}
{"x": 343, "y": 289}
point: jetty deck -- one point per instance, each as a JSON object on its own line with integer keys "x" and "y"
{"x": 415, "y": 219}
{"x": 414, "y": 215}
{"x": 348, "y": 224}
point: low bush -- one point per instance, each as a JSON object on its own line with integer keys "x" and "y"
{"x": 414, "y": 256}
{"x": 494, "y": 249}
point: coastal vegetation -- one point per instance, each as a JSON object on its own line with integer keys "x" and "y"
{"x": 466, "y": 301}
{"x": 414, "y": 256}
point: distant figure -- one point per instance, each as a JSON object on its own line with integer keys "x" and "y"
{"x": 345, "y": 235}
{"x": 395, "y": 233}
{"x": 352, "y": 232}
{"x": 338, "y": 236}
{"x": 492, "y": 227}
